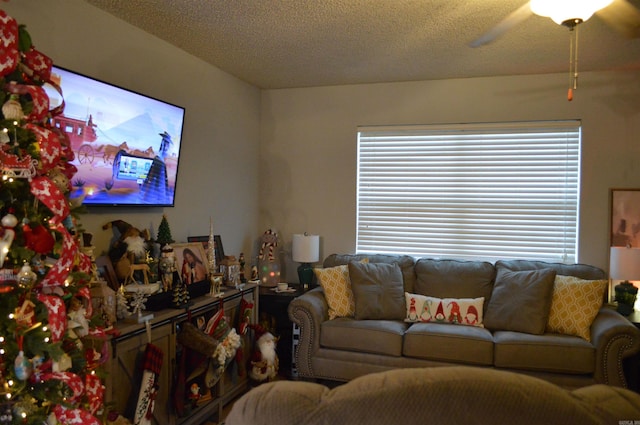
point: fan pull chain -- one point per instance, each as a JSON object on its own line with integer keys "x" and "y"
{"x": 573, "y": 61}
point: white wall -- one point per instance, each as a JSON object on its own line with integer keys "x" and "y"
{"x": 308, "y": 143}
{"x": 219, "y": 162}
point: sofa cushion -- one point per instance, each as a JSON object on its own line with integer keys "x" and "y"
{"x": 405, "y": 262}
{"x": 367, "y": 336}
{"x": 442, "y": 342}
{"x": 337, "y": 290}
{"x": 459, "y": 311}
{"x": 520, "y": 301}
{"x": 454, "y": 278}
{"x": 378, "y": 291}
{"x": 583, "y": 271}
{"x": 574, "y": 305}
{"x": 548, "y": 352}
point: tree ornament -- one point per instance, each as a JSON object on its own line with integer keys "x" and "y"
{"x": 12, "y": 110}
{"x": 26, "y": 277}
{"x": 25, "y": 314}
{"x": 61, "y": 181}
{"x": 9, "y": 221}
{"x": 22, "y": 367}
{"x": 38, "y": 239}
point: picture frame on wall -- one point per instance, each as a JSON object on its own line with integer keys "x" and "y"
{"x": 191, "y": 260}
{"x": 625, "y": 217}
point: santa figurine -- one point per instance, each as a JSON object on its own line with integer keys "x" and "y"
{"x": 264, "y": 362}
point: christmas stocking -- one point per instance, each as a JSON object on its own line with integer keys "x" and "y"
{"x": 152, "y": 363}
{"x": 218, "y": 327}
{"x": 244, "y": 320}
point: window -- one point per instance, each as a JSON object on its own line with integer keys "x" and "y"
{"x": 470, "y": 191}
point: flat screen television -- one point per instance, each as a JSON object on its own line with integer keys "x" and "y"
{"x": 126, "y": 145}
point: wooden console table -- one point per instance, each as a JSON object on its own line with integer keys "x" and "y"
{"x": 127, "y": 349}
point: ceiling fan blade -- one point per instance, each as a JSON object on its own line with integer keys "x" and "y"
{"x": 623, "y": 17}
{"x": 516, "y": 17}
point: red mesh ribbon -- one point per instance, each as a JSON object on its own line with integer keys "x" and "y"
{"x": 50, "y": 148}
{"x": 85, "y": 293}
{"x": 95, "y": 392}
{"x": 9, "y": 53}
{"x": 71, "y": 380}
{"x": 39, "y": 63}
{"x": 60, "y": 270}
{"x": 57, "y": 315}
{"x": 84, "y": 262}
{"x": 74, "y": 416}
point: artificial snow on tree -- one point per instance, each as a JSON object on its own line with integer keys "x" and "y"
{"x": 49, "y": 358}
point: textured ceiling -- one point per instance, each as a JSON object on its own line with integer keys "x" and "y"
{"x": 301, "y": 43}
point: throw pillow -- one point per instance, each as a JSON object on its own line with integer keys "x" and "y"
{"x": 574, "y": 305}
{"x": 337, "y": 290}
{"x": 378, "y": 291}
{"x": 520, "y": 301}
{"x": 460, "y": 311}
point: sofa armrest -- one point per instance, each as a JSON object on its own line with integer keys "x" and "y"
{"x": 308, "y": 311}
{"x": 614, "y": 338}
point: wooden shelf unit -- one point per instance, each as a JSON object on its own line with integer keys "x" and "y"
{"x": 127, "y": 349}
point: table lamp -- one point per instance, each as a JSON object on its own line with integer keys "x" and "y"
{"x": 624, "y": 265}
{"x": 305, "y": 250}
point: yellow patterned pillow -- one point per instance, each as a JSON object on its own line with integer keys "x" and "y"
{"x": 574, "y": 305}
{"x": 337, "y": 290}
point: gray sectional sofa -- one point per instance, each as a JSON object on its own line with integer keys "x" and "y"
{"x": 344, "y": 348}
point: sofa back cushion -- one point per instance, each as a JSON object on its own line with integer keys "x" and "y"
{"x": 582, "y": 271}
{"x": 444, "y": 278}
{"x": 405, "y": 262}
{"x": 377, "y": 291}
{"x": 521, "y": 301}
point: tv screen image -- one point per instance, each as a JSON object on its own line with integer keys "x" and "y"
{"x": 126, "y": 145}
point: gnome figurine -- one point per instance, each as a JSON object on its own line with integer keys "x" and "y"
{"x": 264, "y": 362}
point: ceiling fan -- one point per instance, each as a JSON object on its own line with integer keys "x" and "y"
{"x": 619, "y": 14}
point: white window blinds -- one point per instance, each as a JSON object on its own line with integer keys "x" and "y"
{"x": 470, "y": 191}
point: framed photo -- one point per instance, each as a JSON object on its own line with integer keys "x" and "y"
{"x": 217, "y": 241}
{"x": 191, "y": 260}
{"x": 106, "y": 272}
{"x": 625, "y": 217}
{"x": 204, "y": 240}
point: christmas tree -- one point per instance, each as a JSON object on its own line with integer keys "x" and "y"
{"x": 164, "y": 232}
{"x": 50, "y": 348}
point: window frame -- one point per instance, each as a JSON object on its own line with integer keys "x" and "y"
{"x": 519, "y": 136}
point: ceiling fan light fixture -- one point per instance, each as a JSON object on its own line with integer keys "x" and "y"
{"x": 561, "y": 11}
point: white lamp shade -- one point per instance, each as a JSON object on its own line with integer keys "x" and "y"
{"x": 624, "y": 263}
{"x": 305, "y": 248}
{"x": 563, "y": 10}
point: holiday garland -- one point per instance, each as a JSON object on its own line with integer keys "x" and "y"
{"x": 50, "y": 350}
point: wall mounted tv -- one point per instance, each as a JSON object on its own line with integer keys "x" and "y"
{"x": 127, "y": 145}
